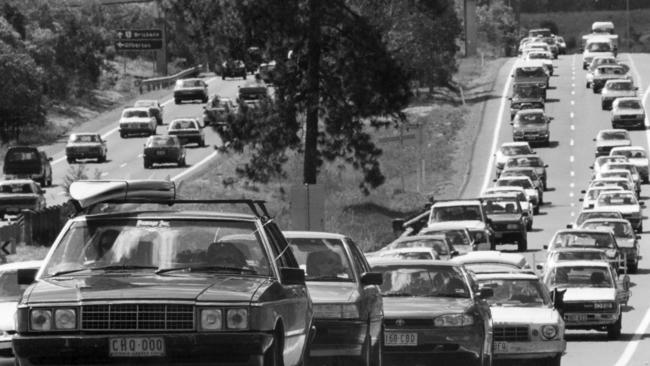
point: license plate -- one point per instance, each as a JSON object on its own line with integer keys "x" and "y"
{"x": 136, "y": 346}
{"x": 160, "y": 153}
{"x": 401, "y": 339}
{"x": 500, "y": 346}
{"x": 575, "y": 317}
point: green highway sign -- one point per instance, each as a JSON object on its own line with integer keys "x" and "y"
{"x": 139, "y": 45}
{"x": 138, "y": 34}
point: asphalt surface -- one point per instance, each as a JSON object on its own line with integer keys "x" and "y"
{"x": 578, "y": 117}
{"x": 125, "y": 154}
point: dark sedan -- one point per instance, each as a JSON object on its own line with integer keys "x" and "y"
{"x": 188, "y": 130}
{"x": 20, "y": 194}
{"x": 164, "y": 286}
{"x": 347, "y": 303}
{"x": 86, "y": 146}
{"x": 233, "y": 69}
{"x": 508, "y": 221}
{"x": 433, "y": 314}
{"x": 163, "y": 149}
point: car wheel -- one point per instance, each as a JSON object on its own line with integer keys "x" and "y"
{"x": 49, "y": 182}
{"x": 101, "y": 159}
{"x": 614, "y": 330}
{"x": 588, "y": 85}
{"x": 122, "y": 134}
{"x": 202, "y": 143}
{"x": 640, "y": 229}
{"x": 529, "y": 225}
{"x": 536, "y": 210}
{"x": 182, "y": 162}
{"x": 554, "y": 361}
{"x": 273, "y": 355}
{"x": 147, "y": 164}
{"x": 603, "y": 106}
{"x": 522, "y": 245}
{"x": 634, "y": 267}
{"x": 223, "y": 77}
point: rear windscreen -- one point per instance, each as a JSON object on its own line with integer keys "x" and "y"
{"x": 22, "y": 155}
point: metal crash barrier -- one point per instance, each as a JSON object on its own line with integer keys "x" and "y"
{"x": 148, "y": 85}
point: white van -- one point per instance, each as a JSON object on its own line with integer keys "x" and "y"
{"x": 597, "y": 47}
{"x": 602, "y": 29}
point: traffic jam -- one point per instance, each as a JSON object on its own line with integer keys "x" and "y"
{"x": 138, "y": 275}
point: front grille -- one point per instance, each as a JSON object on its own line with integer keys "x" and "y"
{"x": 119, "y": 317}
{"x": 393, "y": 323}
{"x": 584, "y": 307}
{"x": 9, "y": 202}
{"x": 511, "y": 334}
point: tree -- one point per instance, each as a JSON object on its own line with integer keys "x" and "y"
{"x": 497, "y": 25}
{"x": 359, "y": 85}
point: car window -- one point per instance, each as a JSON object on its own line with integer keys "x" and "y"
{"x": 584, "y": 240}
{"x": 160, "y": 244}
{"x": 84, "y": 138}
{"x": 162, "y": 141}
{"x": 526, "y": 119}
{"x": 530, "y": 72}
{"x": 619, "y": 228}
{"x": 584, "y": 216}
{"x": 17, "y": 188}
{"x": 580, "y": 277}
{"x": 620, "y": 86}
{"x": 183, "y": 124}
{"x": 631, "y": 104}
{"x": 523, "y": 183}
{"x": 440, "y": 246}
{"x": 423, "y": 281}
{"x": 322, "y": 259}
{"x": 501, "y": 207}
{"x": 135, "y": 114}
{"x": 581, "y": 255}
{"x": 515, "y": 292}
{"x": 359, "y": 260}
{"x": 614, "y": 135}
{"x": 22, "y": 155}
{"x": 616, "y": 199}
{"x": 10, "y": 290}
{"x": 599, "y": 47}
{"x": 192, "y": 83}
{"x": 456, "y": 213}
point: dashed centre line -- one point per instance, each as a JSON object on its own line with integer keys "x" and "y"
{"x": 572, "y": 127}
{"x": 571, "y": 144}
{"x": 573, "y": 102}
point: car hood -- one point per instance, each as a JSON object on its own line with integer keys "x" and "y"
{"x": 226, "y": 288}
{"x": 576, "y": 294}
{"x": 134, "y": 120}
{"x": 7, "y": 311}
{"x": 524, "y": 315}
{"x": 625, "y": 242}
{"x": 505, "y": 217}
{"x": 332, "y": 292}
{"x": 626, "y": 209}
{"x": 423, "y": 307}
{"x": 612, "y": 143}
{"x": 619, "y": 93}
{"x": 83, "y": 144}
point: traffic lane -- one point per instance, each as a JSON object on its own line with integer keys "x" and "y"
{"x": 125, "y": 154}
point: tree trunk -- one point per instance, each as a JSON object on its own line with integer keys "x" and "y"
{"x": 310, "y": 170}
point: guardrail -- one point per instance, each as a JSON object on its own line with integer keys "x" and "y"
{"x": 166, "y": 81}
{"x": 35, "y": 227}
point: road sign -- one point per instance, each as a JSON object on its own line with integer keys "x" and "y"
{"x": 137, "y": 45}
{"x": 138, "y": 34}
{"x": 7, "y": 248}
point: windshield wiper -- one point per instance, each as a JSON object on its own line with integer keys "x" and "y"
{"x": 206, "y": 269}
{"x": 121, "y": 267}
{"x": 59, "y": 273}
{"x": 397, "y": 294}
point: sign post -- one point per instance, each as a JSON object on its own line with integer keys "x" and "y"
{"x": 308, "y": 207}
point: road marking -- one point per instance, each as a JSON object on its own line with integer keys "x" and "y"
{"x": 194, "y": 167}
{"x": 495, "y": 137}
{"x": 571, "y": 144}
{"x": 572, "y": 127}
{"x": 626, "y": 357}
{"x": 571, "y": 115}
{"x": 571, "y": 158}
{"x": 122, "y": 165}
{"x": 140, "y": 155}
{"x": 573, "y": 213}
{"x": 573, "y": 102}
{"x": 572, "y": 185}
{"x": 570, "y": 194}
{"x": 573, "y": 85}
{"x": 573, "y": 92}
{"x": 573, "y": 173}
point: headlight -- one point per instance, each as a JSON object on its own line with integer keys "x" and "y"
{"x": 604, "y": 305}
{"x": 456, "y": 320}
{"x": 336, "y": 311}
{"x": 41, "y": 320}
{"x": 211, "y": 319}
{"x": 549, "y": 331}
{"x": 237, "y": 318}
{"x": 512, "y": 226}
{"x": 65, "y": 318}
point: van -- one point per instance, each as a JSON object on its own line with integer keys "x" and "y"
{"x": 597, "y": 47}
{"x": 532, "y": 72}
{"x": 602, "y": 30}
{"x": 27, "y": 162}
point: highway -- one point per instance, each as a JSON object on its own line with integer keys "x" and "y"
{"x": 125, "y": 154}
{"x": 578, "y": 117}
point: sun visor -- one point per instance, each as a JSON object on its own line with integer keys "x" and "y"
{"x": 91, "y": 192}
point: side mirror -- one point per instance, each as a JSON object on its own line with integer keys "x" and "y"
{"x": 398, "y": 225}
{"x": 642, "y": 203}
{"x": 292, "y": 276}
{"x": 512, "y": 124}
{"x": 591, "y": 167}
{"x": 494, "y": 180}
{"x": 49, "y": 159}
{"x": 485, "y": 293}
{"x": 558, "y": 298}
{"x": 372, "y": 278}
{"x": 454, "y": 253}
{"x": 539, "y": 266}
{"x": 545, "y": 246}
{"x": 581, "y": 199}
{"x": 583, "y": 191}
{"x": 26, "y": 276}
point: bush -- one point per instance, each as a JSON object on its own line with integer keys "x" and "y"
{"x": 550, "y": 25}
{"x": 110, "y": 53}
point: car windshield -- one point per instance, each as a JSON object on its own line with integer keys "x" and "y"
{"x": 610, "y": 159}
{"x": 436, "y": 244}
{"x": 527, "y": 119}
{"x": 584, "y": 216}
{"x": 13, "y": 188}
{"x": 135, "y": 114}
{"x": 515, "y": 150}
{"x": 162, "y": 141}
{"x": 579, "y": 255}
{"x": 525, "y": 162}
{"x": 584, "y": 240}
{"x": 322, "y": 259}
{"x": 520, "y": 172}
{"x": 152, "y": 243}
{"x": 455, "y": 237}
{"x": 615, "y": 135}
{"x": 633, "y": 154}
{"x": 456, "y": 213}
{"x": 595, "y": 192}
{"x": 10, "y": 290}
{"x": 629, "y": 104}
{"x": 539, "y": 55}
{"x": 515, "y": 292}
{"x": 145, "y": 103}
{"x": 599, "y": 47}
{"x": 408, "y": 255}
{"x": 530, "y": 72}
{"x": 425, "y": 281}
{"x": 581, "y": 277}
{"x": 502, "y": 206}
{"x": 611, "y": 70}
{"x": 183, "y": 124}
{"x": 523, "y": 183}
{"x": 84, "y": 138}
{"x": 615, "y": 174}
{"x": 526, "y": 91}
{"x": 621, "y": 229}
{"x": 616, "y": 199}
{"x": 192, "y": 83}
{"x": 626, "y": 166}
{"x": 620, "y": 86}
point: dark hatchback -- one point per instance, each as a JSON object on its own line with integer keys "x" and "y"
{"x": 508, "y": 221}
{"x": 163, "y": 149}
{"x": 347, "y": 303}
{"x": 28, "y": 162}
{"x": 164, "y": 286}
{"x": 433, "y": 314}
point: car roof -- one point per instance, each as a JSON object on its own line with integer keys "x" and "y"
{"x": 376, "y": 261}
{"x": 170, "y": 214}
{"x": 21, "y": 265}
{"x": 16, "y": 181}
{"x": 507, "y": 276}
{"x": 602, "y": 219}
{"x": 459, "y": 202}
{"x": 582, "y": 263}
{"x": 446, "y": 225}
{"x": 420, "y": 237}
{"x": 488, "y": 255}
{"x": 312, "y": 235}
{"x": 136, "y": 109}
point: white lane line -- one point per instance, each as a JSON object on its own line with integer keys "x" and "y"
{"x": 571, "y": 144}
{"x": 571, "y": 158}
{"x": 572, "y": 127}
{"x": 573, "y": 213}
{"x": 571, "y": 115}
{"x": 573, "y": 174}
{"x": 573, "y": 92}
{"x": 627, "y": 354}
{"x": 104, "y": 174}
{"x": 572, "y": 185}
{"x": 497, "y": 130}
{"x": 570, "y": 194}
{"x": 573, "y": 102}
{"x": 122, "y": 165}
{"x": 195, "y": 166}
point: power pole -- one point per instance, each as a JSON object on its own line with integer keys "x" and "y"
{"x": 471, "y": 27}
{"x": 310, "y": 171}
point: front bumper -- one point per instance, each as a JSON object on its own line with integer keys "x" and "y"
{"x": 83, "y": 154}
{"x": 190, "y": 95}
{"x": 336, "y": 338}
{"x": 590, "y": 320}
{"x": 531, "y": 137}
{"x": 140, "y": 128}
{"x": 232, "y": 348}
{"x": 530, "y": 350}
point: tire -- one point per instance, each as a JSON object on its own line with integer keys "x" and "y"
{"x": 182, "y": 163}
{"x": 101, "y": 159}
{"x": 603, "y": 106}
{"x": 633, "y": 268}
{"x": 42, "y": 182}
{"x": 522, "y": 246}
{"x": 122, "y": 134}
{"x": 177, "y": 101}
{"x": 49, "y": 182}
{"x": 553, "y": 361}
{"x": 147, "y": 164}
{"x": 529, "y": 225}
{"x": 536, "y": 210}
{"x": 614, "y": 330}
{"x": 640, "y": 228}
{"x": 223, "y": 77}
{"x": 202, "y": 143}
{"x": 587, "y": 85}
{"x": 273, "y": 356}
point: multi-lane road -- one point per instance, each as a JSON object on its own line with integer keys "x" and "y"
{"x": 125, "y": 154}
{"x": 578, "y": 117}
